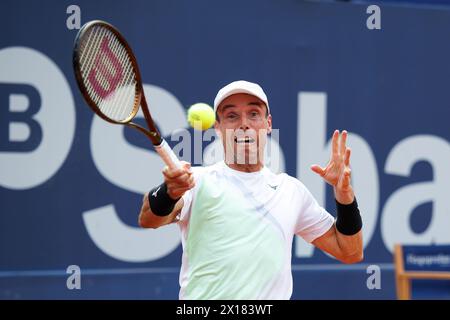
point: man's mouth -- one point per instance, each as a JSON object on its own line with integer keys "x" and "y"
{"x": 244, "y": 140}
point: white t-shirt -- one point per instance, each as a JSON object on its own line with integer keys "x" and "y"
{"x": 237, "y": 232}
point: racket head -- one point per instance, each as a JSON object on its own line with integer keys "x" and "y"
{"x": 107, "y": 73}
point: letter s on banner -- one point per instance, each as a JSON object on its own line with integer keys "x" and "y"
{"x": 144, "y": 166}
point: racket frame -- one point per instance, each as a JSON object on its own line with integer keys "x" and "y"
{"x": 139, "y": 100}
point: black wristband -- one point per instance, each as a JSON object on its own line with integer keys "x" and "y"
{"x": 160, "y": 202}
{"x": 348, "y": 220}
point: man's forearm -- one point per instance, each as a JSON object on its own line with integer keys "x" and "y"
{"x": 344, "y": 196}
{"x": 349, "y": 227}
{"x": 148, "y": 219}
{"x": 351, "y": 246}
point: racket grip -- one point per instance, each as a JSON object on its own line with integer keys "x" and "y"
{"x": 166, "y": 153}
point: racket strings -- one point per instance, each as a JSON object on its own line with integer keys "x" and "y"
{"x": 128, "y": 91}
{"x": 122, "y": 95}
{"x": 108, "y": 73}
{"x": 92, "y": 53}
{"x": 92, "y": 46}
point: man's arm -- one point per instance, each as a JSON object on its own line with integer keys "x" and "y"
{"x": 344, "y": 239}
{"x": 160, "y": 206}
{"x": 347, "y": 249}
{"x": 346, "y": 246}
{"x": 147, "y": 219}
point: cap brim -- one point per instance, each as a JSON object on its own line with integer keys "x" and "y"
{"x": 237, "y": 91}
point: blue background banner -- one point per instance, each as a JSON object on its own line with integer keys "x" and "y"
{"x": 71, "y": 186}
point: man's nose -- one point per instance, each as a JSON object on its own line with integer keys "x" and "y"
{"x": 244, "y": 123}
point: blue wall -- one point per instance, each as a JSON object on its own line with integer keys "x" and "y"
{"x": 389, "y": 88}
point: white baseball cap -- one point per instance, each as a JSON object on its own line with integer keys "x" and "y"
{"x": 240, "y": 86}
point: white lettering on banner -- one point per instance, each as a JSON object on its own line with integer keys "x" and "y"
{"x": 19, "y": 131}
{"x": 133, "y": 169}
{"x": 312, "y": 147}
{"x": 56, "y": 118}
{"x": 125, "y": 243}
{"x": 395, "y": 223}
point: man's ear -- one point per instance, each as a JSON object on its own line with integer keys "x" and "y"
{"x": 269, "y": 123}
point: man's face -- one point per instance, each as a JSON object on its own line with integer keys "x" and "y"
{"x": 243, "y": 128}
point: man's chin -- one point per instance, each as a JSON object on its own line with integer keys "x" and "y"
{"x": 246, "y": 158}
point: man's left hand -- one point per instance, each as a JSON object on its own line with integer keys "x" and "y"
{"x": 337, "y": 172}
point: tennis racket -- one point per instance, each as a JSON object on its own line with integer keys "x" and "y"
{"x": 109, "y": 79}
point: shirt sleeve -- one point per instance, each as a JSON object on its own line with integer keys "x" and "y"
{"x": 313, "y": 220}
{"x": 187, "y": 201}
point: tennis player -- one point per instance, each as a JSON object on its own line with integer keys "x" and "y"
{"x": 238, "y": 219}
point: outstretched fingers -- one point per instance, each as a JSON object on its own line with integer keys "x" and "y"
{"x": 348, "y": 153}
{"x": 335, "y": 144}
{"x": 345, "y": 180}
{"x": 343, "y": 142}
{"x": 318, "y": 169}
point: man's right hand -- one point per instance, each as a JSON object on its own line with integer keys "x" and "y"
{"x": 178, "y": 181}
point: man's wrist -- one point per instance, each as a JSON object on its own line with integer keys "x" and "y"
{"x": 344, "y": 197}
{"x": 348, "y": 220}
{"x": 161, "y": 204}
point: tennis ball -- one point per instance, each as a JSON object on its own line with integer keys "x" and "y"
{"x": 201, "y": 116}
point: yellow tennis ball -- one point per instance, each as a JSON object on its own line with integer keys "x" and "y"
{"x": 201, "y": 116}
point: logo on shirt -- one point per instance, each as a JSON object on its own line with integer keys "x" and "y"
{"x": 273, "y": 187}
{"x": 156, "y": 192}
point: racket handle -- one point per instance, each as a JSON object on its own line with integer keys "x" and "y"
{"x": 168, "y": 156}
